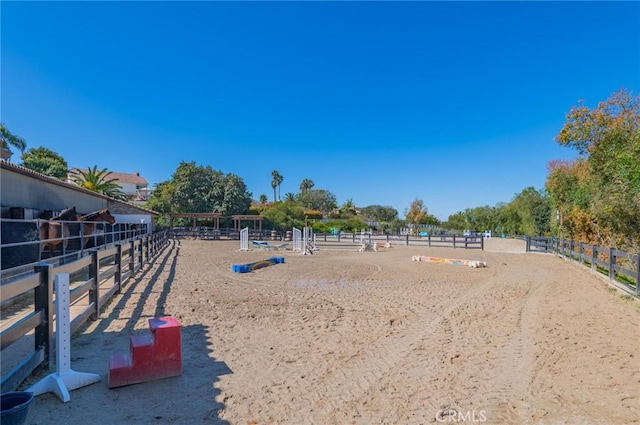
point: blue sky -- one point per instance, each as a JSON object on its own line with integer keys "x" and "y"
{"x": 453, "y": 103}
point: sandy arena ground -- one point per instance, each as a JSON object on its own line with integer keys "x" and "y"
{"x": 366, "y": 338}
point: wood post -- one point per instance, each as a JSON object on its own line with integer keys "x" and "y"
{"x": 43, "y": 300}
{"x": 612, "y": 263}
{"x": 94, "y": 275}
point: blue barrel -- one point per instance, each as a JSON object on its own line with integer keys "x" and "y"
{"x": 15, "y": 406}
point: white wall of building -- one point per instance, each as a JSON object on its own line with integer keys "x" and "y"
{"x": 134, "y": 219}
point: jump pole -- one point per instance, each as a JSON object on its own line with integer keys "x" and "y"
{"x": 65, "y": 379}
{"x": 454, "y": 261}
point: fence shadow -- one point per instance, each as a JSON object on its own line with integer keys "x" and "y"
{"x": 166, "y": 258}
{"x": 189, "y": 398}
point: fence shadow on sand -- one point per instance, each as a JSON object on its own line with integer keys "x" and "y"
{"x": 189, "y": 398}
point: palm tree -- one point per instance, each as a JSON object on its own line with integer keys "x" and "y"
{"x": 98, "y": 181}
{"x": 275, "y": 182}
{"x": 263, "y": 199}
{"x": 7, "y": 138}
{"x": 289, "y": 197}
{"x": 348, "y": 207}
{"x": 306, "y": 185}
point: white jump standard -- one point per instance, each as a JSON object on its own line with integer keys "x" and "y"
{"x": 65, "y": 379}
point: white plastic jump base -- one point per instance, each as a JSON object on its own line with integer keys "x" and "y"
{"x": 65, "y": 379}
{"x": 368, "y": 247}
{"x": 244, "y": 239}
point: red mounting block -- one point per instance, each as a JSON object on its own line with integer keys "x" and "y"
{"x": 155, "y": 354}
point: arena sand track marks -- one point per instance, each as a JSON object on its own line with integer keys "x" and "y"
{"x": 361, "y": 338}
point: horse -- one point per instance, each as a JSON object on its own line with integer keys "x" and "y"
{"x": 90, "y": 220}
{"x": 55, "y": 231}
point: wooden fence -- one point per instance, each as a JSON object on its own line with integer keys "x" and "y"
{"x": 621, "y": 267}
{"x": 96, "y": 277}
{"x": 204, "y": 232}
{"x": 339, "y": 240}
{"x": 355, "y": 239}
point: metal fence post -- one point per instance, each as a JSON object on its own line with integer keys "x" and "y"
{"x": 528, "y": 243}
{"x": 43, "y": 299}
{"x": 82, "y": 247}
{"x": 454, "y": 241}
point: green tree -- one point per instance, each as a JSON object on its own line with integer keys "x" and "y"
{"x": 45, "y": 161}
{"x": 161, "y": 200}
{"x": 229, "y": 195}
{"x": 9, "y": 139}
{"x": 317, "y": 199}
{"x": 597, "y": 196}
{"x": 349, "y": 225}
{"x": 541, "y": 213}
{"x": 457, "y": 221}
{"x": 417, "y": 213}
{"x": 194, "y": 188}
{"x": 509, "y": 220}
{"x": 306, "y": 185}
{"x": 263, "y": 199}
{"x": 284, "y": 215}
{"x": 481, "y": 218}
{"x": 379, "y": 213}
{"x": 276, "y": 181}
{"x": 98, "y": 181}
{"x": 395, "y": 225}
{"x": 526, "y": 205}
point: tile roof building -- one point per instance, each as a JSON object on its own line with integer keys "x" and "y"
{"x": 134, "y": 185}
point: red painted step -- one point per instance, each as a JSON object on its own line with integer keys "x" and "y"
{"x": 156, "y": 354}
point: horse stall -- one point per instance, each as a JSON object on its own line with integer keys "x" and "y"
{"x": 27, "y": 196}
{"x": 136, "y": 225}
{"x": 20, "y": 241}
